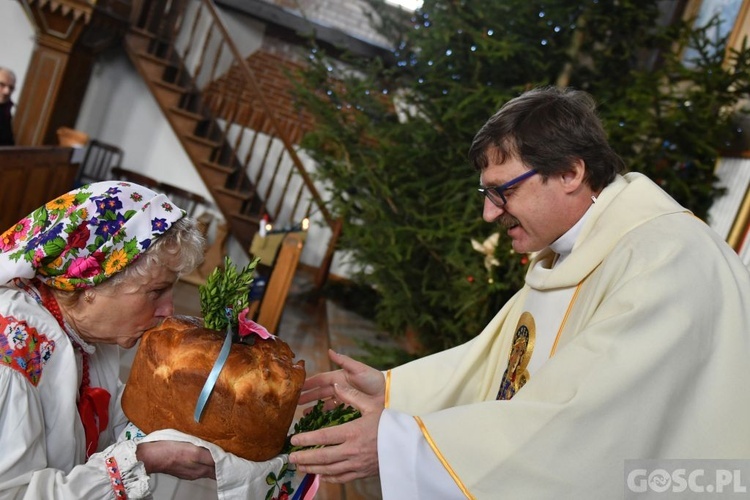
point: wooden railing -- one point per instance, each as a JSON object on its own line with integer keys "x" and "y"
{"x": 252, "y": 158}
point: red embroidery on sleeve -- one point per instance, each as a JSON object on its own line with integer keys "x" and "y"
{"x": 23, "y": 348}
{"x": 115, "y": 478}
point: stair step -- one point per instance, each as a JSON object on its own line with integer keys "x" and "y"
{"x": 155, "y": 59}
{"x": 238, "y": 195}
{"x": 168, "y": 94}
{"x": 214, "y": 175}
{"x": 248, "y": 219}
{"x": 188, "y": 114}
{"x": 139, "y": 40}
{"x": 153, "y": 67}
{"x": 185, "y": 122}
{"x": 203, "y": 140}
{"x": 231, "y": 200}
{"x": 199, "y": 148}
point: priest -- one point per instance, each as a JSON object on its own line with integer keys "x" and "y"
{"x": 628, "y": 341}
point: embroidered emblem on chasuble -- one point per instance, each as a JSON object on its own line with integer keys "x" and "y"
{"x": 23, "y": 348}
{"x": 517, "y": 374}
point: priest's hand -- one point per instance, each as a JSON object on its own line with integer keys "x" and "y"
{"x": 350, "y": 450}
{"x": 176, "y": 458}
{"x": 353, "y": 374}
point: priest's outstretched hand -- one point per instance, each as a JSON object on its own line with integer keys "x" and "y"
{"x": 347, "y": 451}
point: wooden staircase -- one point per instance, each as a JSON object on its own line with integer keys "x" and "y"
{"x": 213, "y": 102}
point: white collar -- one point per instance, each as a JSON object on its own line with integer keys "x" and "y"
{"x": 563, "y": 245}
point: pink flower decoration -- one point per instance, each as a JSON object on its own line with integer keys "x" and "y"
{"x": 84, "y": 267}
{"x": 18, "y": 232}
{"x": 24, "y": 229}
{"x": 248, "y": 326}
{"x": 37, "y": 257}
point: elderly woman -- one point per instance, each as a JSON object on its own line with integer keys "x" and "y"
{"x": 85, "y": 274}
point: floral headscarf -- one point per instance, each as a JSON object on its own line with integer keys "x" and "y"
{"x": 83, "y": 237}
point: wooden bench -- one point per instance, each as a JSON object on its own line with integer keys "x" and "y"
{"x": 30, "y": 177}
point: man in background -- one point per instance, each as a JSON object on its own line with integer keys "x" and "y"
{"x": 7, "y": 86}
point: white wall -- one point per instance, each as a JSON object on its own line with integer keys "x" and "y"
{"x": 16, "y": 41}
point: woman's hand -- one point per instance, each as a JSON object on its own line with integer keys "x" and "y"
{"x": 176, "y": 458}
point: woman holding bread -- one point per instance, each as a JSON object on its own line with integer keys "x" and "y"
{"x": 80, "y": 277}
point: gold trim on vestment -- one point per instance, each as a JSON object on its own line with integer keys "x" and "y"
{"x": 741, "y": 224}
{"x": 387, "y": 400}
{"x": 442, "y": 459}
{"x": 567, "y": 313}
{"x": 565, "y": 318}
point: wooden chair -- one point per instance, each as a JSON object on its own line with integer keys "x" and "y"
{"x": 268, "y": 309}
{"x": 98, "y": 162}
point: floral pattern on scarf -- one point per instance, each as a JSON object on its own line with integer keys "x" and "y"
{"x": 84, "y": 237}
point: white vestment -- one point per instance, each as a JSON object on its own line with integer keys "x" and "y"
{"x": 646, "y": 364}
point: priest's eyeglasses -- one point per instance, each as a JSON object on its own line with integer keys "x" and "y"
{"x": 496, "y": 194}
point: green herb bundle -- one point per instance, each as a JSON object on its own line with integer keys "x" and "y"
{"x": 318, "y": 418}
{"x": 225, "y": 288}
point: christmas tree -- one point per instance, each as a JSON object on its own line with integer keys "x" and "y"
{"x": 391, "y": 137}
